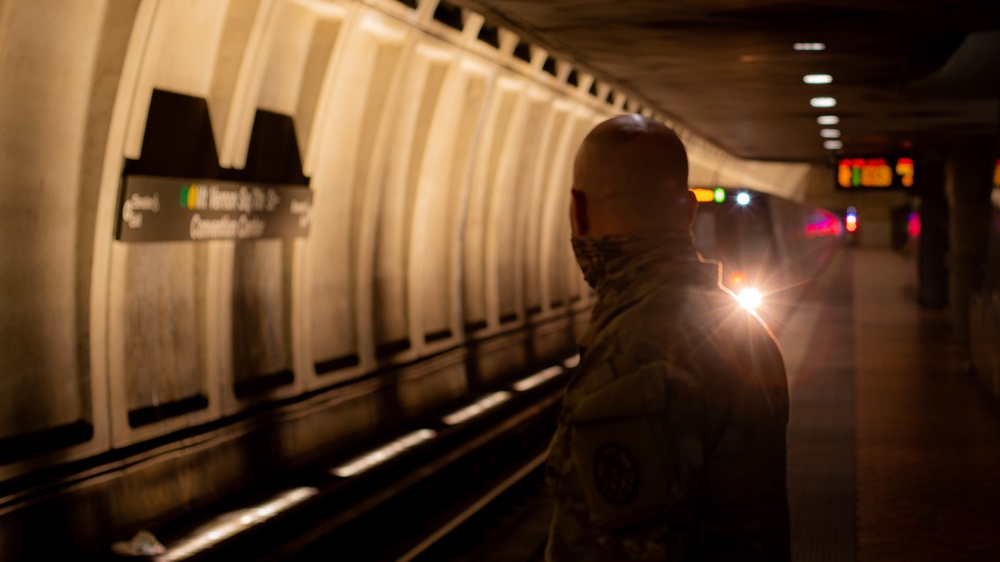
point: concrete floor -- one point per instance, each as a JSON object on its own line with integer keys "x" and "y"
{"x": 894, "y": 447}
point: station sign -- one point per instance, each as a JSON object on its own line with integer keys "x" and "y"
{"x": 875, "y": 173}
{"x": 156, "y": 209}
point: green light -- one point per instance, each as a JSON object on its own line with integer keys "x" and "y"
{"x": 720, "y": 195}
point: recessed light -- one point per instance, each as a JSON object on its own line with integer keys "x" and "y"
{"x": 823, "y": 102}
{"x": 817, "y": 78}
{"x": 833, "y": 145}
{"x": 828, "y": 119}
{"x": 809, "y": 46}
{"x": 829, "y": 133}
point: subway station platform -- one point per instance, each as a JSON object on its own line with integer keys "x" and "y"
{"x": 894, "y": 447}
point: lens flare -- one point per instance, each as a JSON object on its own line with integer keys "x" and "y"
{"x": 750, "y": 299}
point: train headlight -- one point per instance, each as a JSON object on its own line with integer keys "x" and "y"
{"x": 750, "y": 299}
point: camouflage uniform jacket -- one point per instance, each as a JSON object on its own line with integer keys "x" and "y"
{"x": 671, "y": 439}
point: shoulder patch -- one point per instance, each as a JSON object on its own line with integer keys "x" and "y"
{"x": 616, "y": 474}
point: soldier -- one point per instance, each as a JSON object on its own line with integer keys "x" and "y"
{"x": 671, "y": 439}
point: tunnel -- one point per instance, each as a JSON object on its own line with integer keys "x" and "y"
{"x": 243, "y": 238}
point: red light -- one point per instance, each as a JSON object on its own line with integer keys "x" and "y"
{"x": 824, "y": 226}
{"x": 736, "y": 280}
{"x": 913, "y": 225}
{"x": 851, "y": 222}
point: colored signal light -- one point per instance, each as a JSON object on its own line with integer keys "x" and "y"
{"x": 736, "y": 281}
{"x": 913, "y": 225}
{"x": 703, "y": 195}
{"x": 851, "y": 221}
{"x": 708, "y": 195}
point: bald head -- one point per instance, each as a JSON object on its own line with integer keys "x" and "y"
{"x": 630, "y": 177}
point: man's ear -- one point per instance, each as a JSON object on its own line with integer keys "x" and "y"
{"x": 578, "y": 217}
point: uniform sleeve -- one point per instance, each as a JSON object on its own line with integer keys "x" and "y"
{"x": 637, "y": 443}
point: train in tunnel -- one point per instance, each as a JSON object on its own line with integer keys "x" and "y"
{"x": 765, "y": 244}
{"x": 239, "y": 235}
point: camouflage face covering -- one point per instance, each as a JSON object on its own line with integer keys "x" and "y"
{"x": 606, "y": 259}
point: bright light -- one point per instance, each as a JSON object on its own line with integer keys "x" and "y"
{"x": 382, "y": 454}
{"x": 823, "y": 102}
{"x": 750, "y": 298}
{"x": 743, "y": 198}
{"x": 703, "y": 195}
{"x": 736, "y": 280}
{"x": 851, "y": 219}
{"x": 817, "y": 78}
{"x": 829, "y": 133}
{"x": 913, "y": 225}
{"x": 720, "y": 195}
{"x": 809, "y": 46}
{"x": 828, "y": 119}
{"x": 833, "y": 145}
{"x": 479, "y": 407}
{"x": 232, "y": 523}
{"x": 538, "y": 378}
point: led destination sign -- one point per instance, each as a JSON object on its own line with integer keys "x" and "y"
{"x": 875, "y": 173}
{"x": 165, "y": 209}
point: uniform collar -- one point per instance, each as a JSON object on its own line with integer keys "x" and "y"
{"x": 611, "y": 263}
{"x": 624, "y": 269}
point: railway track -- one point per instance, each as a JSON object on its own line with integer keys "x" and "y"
{"x": 404, "y": 498}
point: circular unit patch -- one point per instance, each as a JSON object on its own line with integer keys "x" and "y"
{"x": 616, "y": 474}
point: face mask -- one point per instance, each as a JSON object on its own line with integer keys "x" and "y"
{"x": 606, "y": 257}
{"x": 594, "y": 255}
